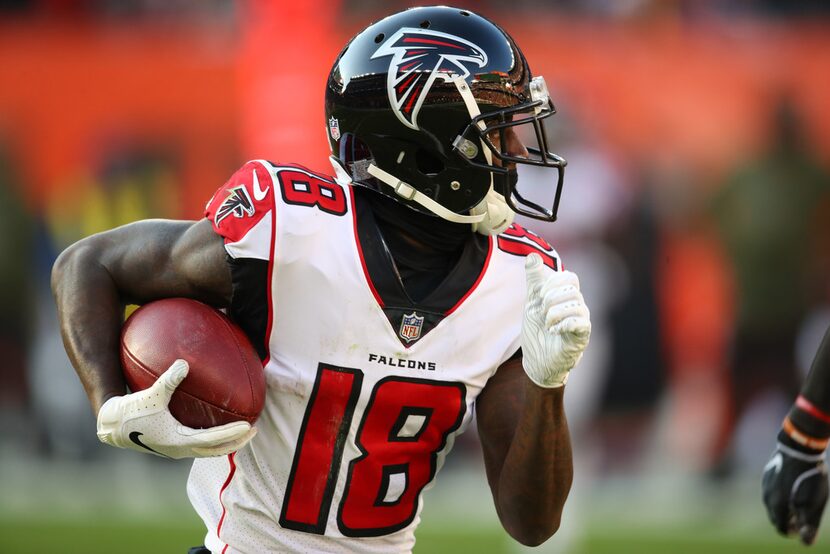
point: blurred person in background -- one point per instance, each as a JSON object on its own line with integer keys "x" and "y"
{"x": 416, "y": 262}
{"x": 795, "y": 485}
{"x": 633, "y": 387}
{"x": 691, "y": 266}
{"x": 16, "y": 318}
{"x": 772, "y": 217}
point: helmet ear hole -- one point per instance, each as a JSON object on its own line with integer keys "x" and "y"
{"x": 427, "y": 163}
{"x": 353, "y": 149}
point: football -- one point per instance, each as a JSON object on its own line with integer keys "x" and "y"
{"x": 226, "y": 381}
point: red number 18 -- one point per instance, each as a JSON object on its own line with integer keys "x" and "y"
{"x": 405, "y": 424}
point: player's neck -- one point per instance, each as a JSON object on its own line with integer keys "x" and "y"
{"x": 408, "y": 229}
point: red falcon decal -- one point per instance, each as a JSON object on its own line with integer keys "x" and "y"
{"x": 419, "y": 56}
{"x": 238, "y": 203}
{"x": 241, "y": 203}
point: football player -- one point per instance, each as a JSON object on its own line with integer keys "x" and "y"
{"x": 388, "y": 303}
{"x": 795, "y": 478}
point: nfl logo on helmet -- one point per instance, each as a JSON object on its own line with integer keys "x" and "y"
{"x": 411, "y": 325}
{"x": 334, "y": 128}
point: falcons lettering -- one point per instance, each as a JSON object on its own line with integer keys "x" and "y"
{"x": 419, "y": 56}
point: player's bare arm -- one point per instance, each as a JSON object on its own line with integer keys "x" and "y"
{"x": 92, "y": 281}
{"x": 521, "y": 417}
{"x": 527, "y": 452}
{"x": 95, "y": 278}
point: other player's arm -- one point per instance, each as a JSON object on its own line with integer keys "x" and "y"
{"x": 527, "y": 452}
{"x": 521, "y": 417}
{"x": 94, "y": 279}
{"x": 795, "y": 483}
{"x": 816, "y": 392}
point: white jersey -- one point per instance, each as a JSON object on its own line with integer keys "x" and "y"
{"x": 367, "y": 390}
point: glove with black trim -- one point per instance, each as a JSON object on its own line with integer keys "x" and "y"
{"x": 795, "y": 491}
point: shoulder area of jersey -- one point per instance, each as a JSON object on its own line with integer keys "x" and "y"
{"x": 521, "y": 242}
{"x": 249, "y": 194}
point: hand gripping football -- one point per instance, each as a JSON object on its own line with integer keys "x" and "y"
{"x": 226, "y": 381}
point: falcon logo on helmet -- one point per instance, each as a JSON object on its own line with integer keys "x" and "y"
{"x": 419, "y": 56}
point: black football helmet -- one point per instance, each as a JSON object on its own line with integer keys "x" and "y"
{"x": 420, "y": 103}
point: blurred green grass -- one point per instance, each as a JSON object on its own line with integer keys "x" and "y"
{"x": 692, "y": 541}
{"x": 109, "y": 537}
{"x": 137, "y": 504}
{"x": 102, "y": 536}
{"x": 45, "y": 536}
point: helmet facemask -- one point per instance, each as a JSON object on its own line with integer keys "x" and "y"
{"x": 526, "y": 120}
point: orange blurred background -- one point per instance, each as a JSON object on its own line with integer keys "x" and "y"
{"x": 221, "y": 92}
{"x": 695, "y": 206}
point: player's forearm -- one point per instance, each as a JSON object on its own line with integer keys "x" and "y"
{"x": 538, "y": 470}
{"x": 808, "y": 422}
{"x": 816, "y": 387}
{"x": 90, "y": 312}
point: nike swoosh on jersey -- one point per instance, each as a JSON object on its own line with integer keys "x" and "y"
{"x": 134, "y": 436}
{"x": 259, "y": 194}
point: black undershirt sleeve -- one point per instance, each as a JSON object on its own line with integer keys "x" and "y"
{"x": 249, "y": 301}
{"x": 816, "y": 389}
{"x": 817, "y": 386}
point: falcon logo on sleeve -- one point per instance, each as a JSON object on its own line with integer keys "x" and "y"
{"x": 238, "y": 203}
{"x": 420, "y": 56}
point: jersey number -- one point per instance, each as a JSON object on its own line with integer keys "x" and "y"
{"x": 519, "y": 241}
{"x": 405, "y": 424}
{"x": 304, "y": 189}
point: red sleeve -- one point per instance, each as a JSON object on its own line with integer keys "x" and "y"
{"x": 242, "y": 202}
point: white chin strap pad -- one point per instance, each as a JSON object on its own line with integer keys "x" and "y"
{"x": 497, "y": 214}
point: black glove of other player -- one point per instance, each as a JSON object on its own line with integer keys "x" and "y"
{"x": 795, "y": 491}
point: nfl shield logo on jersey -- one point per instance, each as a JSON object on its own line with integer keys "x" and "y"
{"x": 411, "y": 325}
{"x": 334, "y": 128}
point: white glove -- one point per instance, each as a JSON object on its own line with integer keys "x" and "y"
{"x": 143, "y": 422}
{"x": 556, "y": 326}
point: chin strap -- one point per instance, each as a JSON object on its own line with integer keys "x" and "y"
{"x": 407, "y": 192}
{"x": 497, "y": 214}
